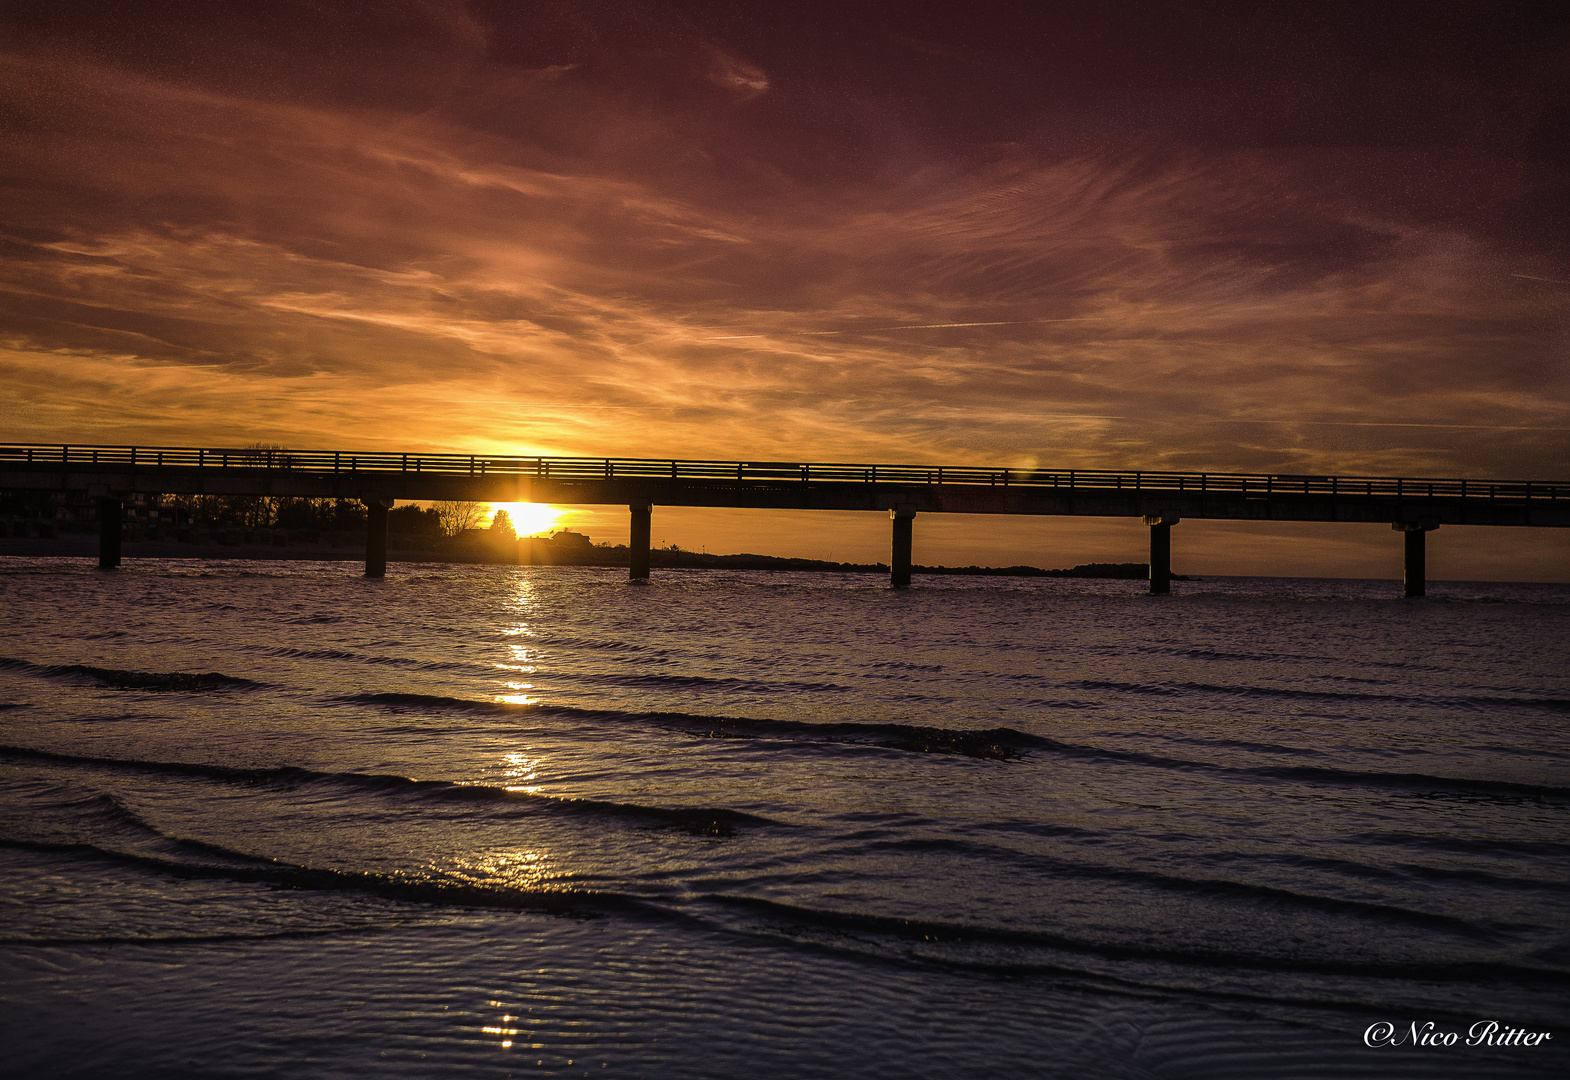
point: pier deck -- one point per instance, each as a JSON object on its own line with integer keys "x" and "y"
{"x": 1413, "y": 506}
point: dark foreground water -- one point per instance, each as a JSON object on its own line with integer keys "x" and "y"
{"x": 277, "y": 820}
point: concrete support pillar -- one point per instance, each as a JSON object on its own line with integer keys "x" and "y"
{"x": 376, "y": 536}
{"x": 638, "y": 546}
{"x": 903, "y": 516}
{"x": 1161, "y": 551}
{"x": 1414, "y": 570}
{"x": 109, "y": 526}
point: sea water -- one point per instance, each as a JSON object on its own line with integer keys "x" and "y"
{"x": 275, "y": 819}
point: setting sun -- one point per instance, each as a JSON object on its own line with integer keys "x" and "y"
{"x": 529, "y": 519}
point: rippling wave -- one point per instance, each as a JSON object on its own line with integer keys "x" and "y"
{"x": 131, "y": 680}
{"x": 1272, "y": 809}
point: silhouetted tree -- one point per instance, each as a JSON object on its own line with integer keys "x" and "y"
{"x": 414, "y": 521}
{"x": 458, "y": 516}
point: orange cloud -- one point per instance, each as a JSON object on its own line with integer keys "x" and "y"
{"x": 551, "y": 259}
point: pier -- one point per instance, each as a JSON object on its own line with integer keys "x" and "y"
{"x": 1413, "y": 506}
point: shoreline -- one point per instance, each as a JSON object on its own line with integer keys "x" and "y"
{"x": 86, "y": 546}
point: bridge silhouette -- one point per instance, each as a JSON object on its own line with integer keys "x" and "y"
{"x": 1414, "y": 506}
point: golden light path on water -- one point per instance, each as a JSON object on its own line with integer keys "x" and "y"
{"x": 523, "y": 664}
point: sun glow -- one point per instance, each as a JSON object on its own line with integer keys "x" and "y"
{"x": 529, "y": 518}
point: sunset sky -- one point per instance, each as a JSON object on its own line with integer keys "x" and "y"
{"x": 1322, "y": 238}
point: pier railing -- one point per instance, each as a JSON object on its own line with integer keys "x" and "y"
{"x": 776, "y": 472}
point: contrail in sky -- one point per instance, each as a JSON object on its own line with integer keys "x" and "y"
{"x": 1551, "y": 281}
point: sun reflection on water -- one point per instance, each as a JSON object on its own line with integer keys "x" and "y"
{"x": 523, "y": 658}
{"x": 524, "y": 869}
{"x": 506, "y": 1032}
{"x": 518, "y": 770}
{"x": 523, "y": 664}
{"x": 497, "y": 1029}
{"x": 519, "y": 695}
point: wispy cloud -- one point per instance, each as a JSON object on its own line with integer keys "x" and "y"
{"x": 189, "y": 265}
